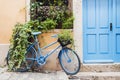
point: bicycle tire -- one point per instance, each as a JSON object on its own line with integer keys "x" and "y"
{"x": 25, "y": 65}
{"x": 7, "y": 58}
{"x": 72, "y": 65}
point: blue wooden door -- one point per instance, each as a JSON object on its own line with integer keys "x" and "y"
{"x": 98, "y": 36}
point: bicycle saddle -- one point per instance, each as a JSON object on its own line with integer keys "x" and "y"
{"x": 36, "y": 33}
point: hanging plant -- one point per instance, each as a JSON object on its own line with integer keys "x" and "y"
{"x": 19, "y": 42}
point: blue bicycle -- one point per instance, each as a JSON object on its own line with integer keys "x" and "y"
{"x": 68, "y": 58}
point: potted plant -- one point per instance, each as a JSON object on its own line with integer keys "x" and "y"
{"x": 65, "y": 38}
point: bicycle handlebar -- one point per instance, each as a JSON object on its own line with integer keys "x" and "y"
{"x": 55, "y": 36}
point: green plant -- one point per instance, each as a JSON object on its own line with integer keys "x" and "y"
{"x": 20, "y": 40}
{"x": 65, "y": 37}
{"x": 68, "y": 23}
{"x": 18, "y": 45}
{"x": 56, "y": 10}
{"x": 48, "y": 24}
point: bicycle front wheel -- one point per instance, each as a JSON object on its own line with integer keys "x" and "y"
{"x": 69, "y": 61}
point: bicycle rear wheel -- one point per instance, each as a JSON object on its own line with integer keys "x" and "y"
{"x": 26, "y": 64}
{"x": 69, "y": 61}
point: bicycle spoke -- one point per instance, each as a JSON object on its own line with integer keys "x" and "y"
{"x": 69, "y": 61}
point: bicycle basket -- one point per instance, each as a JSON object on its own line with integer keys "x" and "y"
{"x": 64, "y": 42}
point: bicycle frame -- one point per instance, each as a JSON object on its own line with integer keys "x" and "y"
{"x": 52, "y": 51}
{"x": 36, "y": 43}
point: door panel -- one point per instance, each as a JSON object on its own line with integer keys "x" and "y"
{"x": 97, "y": 35}
{"x": 91, "y": 44}
{"x": 91, "y": 11}
{"x": 104, "y": 40}
{"x": 104, "y": 13}
{"x": 118, "y": 44}
{"x": 116, "y": 29}
{"x": 117, "y": 13}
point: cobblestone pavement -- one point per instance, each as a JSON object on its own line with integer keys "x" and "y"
{"x": 5, "y": 75}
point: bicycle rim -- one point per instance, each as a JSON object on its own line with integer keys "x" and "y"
{"x": 69, "y": 61}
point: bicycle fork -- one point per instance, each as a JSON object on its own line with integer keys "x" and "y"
{"x": 65, "y": 54}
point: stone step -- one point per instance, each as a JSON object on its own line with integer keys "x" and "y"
{"x": 96, "y": 76}
{"x": 100, "y": 67}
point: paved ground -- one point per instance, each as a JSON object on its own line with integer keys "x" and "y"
{"x": 96, "y": 76}
{"x": 5, "y": 75}
{"x": 59, "y": 75}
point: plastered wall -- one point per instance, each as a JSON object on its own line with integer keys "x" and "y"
{"x": 11, "y": 12}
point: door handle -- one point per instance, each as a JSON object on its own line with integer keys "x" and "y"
{"x": 110, "y": 26}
